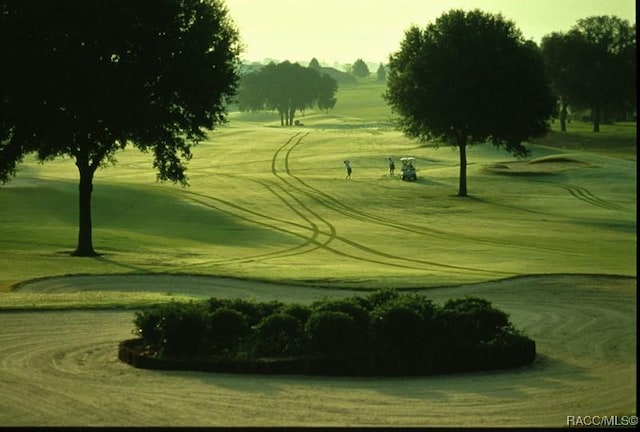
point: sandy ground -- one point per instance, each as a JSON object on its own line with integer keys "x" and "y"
{"x": 61, "y": 368}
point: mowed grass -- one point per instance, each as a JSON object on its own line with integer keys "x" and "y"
{"x": 271, "y": 203}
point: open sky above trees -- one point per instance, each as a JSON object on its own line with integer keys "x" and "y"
{"x": 339, "y": 31}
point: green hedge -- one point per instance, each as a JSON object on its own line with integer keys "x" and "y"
{"x": 383, "y": 333}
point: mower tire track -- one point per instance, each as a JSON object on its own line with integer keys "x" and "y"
{"x": 586, "y": 196}
{"x": 336, "y": 205}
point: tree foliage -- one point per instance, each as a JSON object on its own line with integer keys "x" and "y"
{"x": 85, "y": 79}
{"x": 331, "y": 332}
{"x": 381, "y": 73}
{"x": 594, "y": 65}
{"x": 327, "y": 89}
{"x": 470, "y": 320}
{"x": 314, "y": 64}
{"x": 226, "y": 326}
{"x": 286, "y": 87}
{"x": 279, "y": 334}
{"x": 557, "y": 49}
{"x": 360, "y": 69}
{"x": 468, "y": 78}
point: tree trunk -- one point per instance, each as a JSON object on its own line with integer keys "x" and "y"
{"x": 292, "y": 112}
{"x": 281, "y": 112}
{"x": 462, "y": 145}
{"x": 85, "y": 240}
{"x": 563, "y": 116}
{"x": 596, "y": 118}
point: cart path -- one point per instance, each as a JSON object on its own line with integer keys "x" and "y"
{"x": 61, "y": 368}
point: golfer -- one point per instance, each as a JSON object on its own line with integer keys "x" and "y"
{"x": 392, "y": 167}
{"x": 348, "y": 165}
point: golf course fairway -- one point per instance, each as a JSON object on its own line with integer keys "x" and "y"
{"x": 550, "y": 239}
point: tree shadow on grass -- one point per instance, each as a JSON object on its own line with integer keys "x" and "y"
{"x": 105, "y": 259}
{"x": 131, "y": 212}
{"x": 166, "y": 214}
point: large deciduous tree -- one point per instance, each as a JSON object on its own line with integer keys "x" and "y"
{"x": 84, "y": 79}
{"x": 469, "y": 78}
{"x": 286, "y": 87}
{"x": 594, "y": 65}
{"x": 557, "y": 50}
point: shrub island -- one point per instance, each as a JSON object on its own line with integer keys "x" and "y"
{"x": 385, "y": 332}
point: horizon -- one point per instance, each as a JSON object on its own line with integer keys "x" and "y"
{"x": 298, "y": 34}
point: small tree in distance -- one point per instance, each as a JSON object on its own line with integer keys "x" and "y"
{"x": 381, "y": 73}
{"x": 286, "y": 87}
{"x": 314, "y": 64}
{"x": 470, "y": 78}
{"x": 360, "y": 69}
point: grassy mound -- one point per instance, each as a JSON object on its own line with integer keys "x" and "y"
{"x": 546, "y": 165}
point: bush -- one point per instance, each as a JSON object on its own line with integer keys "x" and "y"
{"x": 298, "y": 311}
{"x": 380, "y": 297}
{"x": 385, "y": 332}
{"x": 469, "y": 321}
{"x": 226, "y": 327}
{"x": 280, "y": 334}
{"x": 399, "y": 329}
{"x": 147, "y": 324}
{"x": 510, "y": 348}
{"x": 352, "y": 307}
{"x": 252, "y": 310}
{"x": 331, "y": 333}
{"x": 181, "y": 329}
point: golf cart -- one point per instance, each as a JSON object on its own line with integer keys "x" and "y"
{"x": 408, "y": 170}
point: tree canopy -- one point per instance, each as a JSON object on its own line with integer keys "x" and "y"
{"x": 327, "y": 88}
{"x": 360, "y": 69}
{"x": 314, "y": 64}
{"x": 557, "y": 49}
{"x": 381, "y": 73}
{"x": 469, "y": 78}
{"x": 594, "y": 65}
{"x": 286, "y": 87}
{"x": 85, "y": 79}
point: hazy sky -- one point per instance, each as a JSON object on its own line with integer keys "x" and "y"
{"x": 345, "y": 30}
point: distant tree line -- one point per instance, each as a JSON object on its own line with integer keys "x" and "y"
{"x": 593, "y": 66}
{"x": 287, "y": 88}
{"x": 341, "y": 77}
